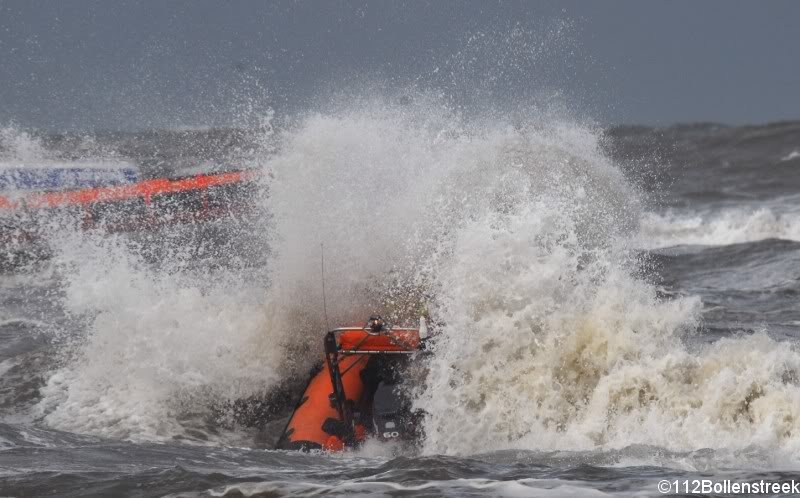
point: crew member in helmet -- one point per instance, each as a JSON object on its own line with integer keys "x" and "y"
{"x": 376, "y": 324}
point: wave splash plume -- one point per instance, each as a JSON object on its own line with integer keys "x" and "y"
{"x": 518, "y": 236}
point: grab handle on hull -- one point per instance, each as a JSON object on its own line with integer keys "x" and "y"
{"x": 338, "y": 396}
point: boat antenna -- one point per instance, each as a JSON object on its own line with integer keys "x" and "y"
{"x": 322, "y": 274}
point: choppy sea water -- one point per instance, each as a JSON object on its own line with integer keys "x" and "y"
{"x": 615, "y": 307}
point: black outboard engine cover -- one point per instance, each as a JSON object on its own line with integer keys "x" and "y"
{"x": 391, "y": 417}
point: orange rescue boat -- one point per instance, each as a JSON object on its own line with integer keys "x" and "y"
{"x": 358, "y": 390}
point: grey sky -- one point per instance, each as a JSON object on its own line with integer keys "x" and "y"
{"x": 123, "y": 65}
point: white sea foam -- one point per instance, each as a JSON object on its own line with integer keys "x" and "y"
{"x": 451, "y": 487}
{"x": 791, "y": 156}
{"x": 727, "y": 226}
{"x": 6, "y": 365}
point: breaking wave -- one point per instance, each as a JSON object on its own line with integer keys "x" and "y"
{"x": 729, "y": 226}
{"x": 795, "y": 154}
{"x": 516, "y": 237}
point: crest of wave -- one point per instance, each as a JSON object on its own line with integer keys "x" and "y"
{"x": 549, "y": 340}
{"x": 730, "y": 226}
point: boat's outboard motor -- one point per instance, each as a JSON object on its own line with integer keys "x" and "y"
{"x": 391, "y": 415}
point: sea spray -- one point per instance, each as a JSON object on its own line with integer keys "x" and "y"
{"x": 160, "y": 346}
{"x": 391, "y": 190}
{"x": 18, "y": 145}
{"x": 517, "y": 237}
